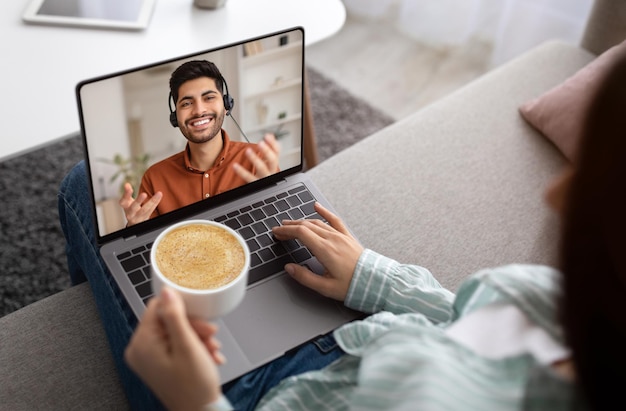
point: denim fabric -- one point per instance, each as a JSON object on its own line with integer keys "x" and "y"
{"x": 245, "y": 392}
{"x": 85, "y": 263}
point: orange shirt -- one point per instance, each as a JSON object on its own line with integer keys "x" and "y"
{"x": 181, "y": 184}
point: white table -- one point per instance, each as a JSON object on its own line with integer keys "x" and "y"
{"x": 41, "y": 65}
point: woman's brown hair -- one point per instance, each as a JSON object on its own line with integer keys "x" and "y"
{"x": 593, "y": 248}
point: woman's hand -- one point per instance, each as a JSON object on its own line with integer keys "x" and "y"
{"x": 174, "y": 355}
{"x": 333, "y": 245}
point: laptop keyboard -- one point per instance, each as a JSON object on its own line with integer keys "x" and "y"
{"x": 254, "y": 223}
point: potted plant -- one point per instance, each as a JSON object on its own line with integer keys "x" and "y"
{"x": 131, "y": 169}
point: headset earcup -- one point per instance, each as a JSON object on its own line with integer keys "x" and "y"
{"x": 173, "y": 119}
{"x": 229, "y": 102}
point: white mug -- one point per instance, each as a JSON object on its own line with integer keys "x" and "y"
{"x": 207, "y": 303}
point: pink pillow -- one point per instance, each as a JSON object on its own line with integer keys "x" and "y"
{"x": 558, "y": 113}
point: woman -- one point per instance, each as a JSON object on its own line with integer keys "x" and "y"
{"x": 513, "y": 337}
{"x": 593, "y": 250}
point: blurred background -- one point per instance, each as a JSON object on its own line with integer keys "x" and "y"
{"x": 400, "y": 55}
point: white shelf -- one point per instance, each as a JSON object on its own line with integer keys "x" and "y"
{"x": 270, "y": 55}
{"x": 273, "y": 124}
{"x": 272, "y": 81}
{"x": 274, "y": 88}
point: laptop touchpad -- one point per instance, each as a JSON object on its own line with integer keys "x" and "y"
{"x": 281, "y": 314}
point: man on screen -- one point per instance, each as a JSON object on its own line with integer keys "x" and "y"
{"x": 211, "y": 163}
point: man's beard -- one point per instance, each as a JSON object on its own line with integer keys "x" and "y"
{"x": 203, "y": 136}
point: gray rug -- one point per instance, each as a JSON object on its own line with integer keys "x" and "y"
{"x": 32, "y": 256}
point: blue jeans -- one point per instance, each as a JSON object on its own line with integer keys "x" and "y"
{"x": 86, "y": 264}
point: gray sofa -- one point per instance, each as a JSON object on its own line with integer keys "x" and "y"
{"x": 455, "y": 187}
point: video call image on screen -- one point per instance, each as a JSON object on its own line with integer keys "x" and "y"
{"x": 126, "y": 118}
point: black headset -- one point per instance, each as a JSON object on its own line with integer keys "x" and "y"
{"x": 229, "y": 103}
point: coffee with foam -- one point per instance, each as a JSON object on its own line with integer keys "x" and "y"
{"x": 200, "y": 256}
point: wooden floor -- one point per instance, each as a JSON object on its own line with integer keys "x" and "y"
{"x": 391, "y": 71}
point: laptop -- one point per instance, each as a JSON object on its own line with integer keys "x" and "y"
{"x": 125, "y": 125}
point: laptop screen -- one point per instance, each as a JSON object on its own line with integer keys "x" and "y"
{"x": 129, "y": 125}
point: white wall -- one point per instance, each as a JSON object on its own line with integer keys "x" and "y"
{"x": 107, "y": 135}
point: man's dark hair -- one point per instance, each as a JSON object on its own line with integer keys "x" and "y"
{"x": 192, "y": 70}
{"x": 593, "y": 248}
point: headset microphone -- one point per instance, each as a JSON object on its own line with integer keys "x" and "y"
{"x": 229, "y": 103}
{"x": 237, "y": 124}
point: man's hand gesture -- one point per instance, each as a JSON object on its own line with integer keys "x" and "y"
{"x": 265, "y": 162}
{"x": 141, "y": 208}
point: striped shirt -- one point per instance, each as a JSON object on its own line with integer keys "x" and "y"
{"x": 401, "y": 358}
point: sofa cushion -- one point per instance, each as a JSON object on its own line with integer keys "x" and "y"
{"x": 55, "y": 356}
{"x": 558, "y": 113}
